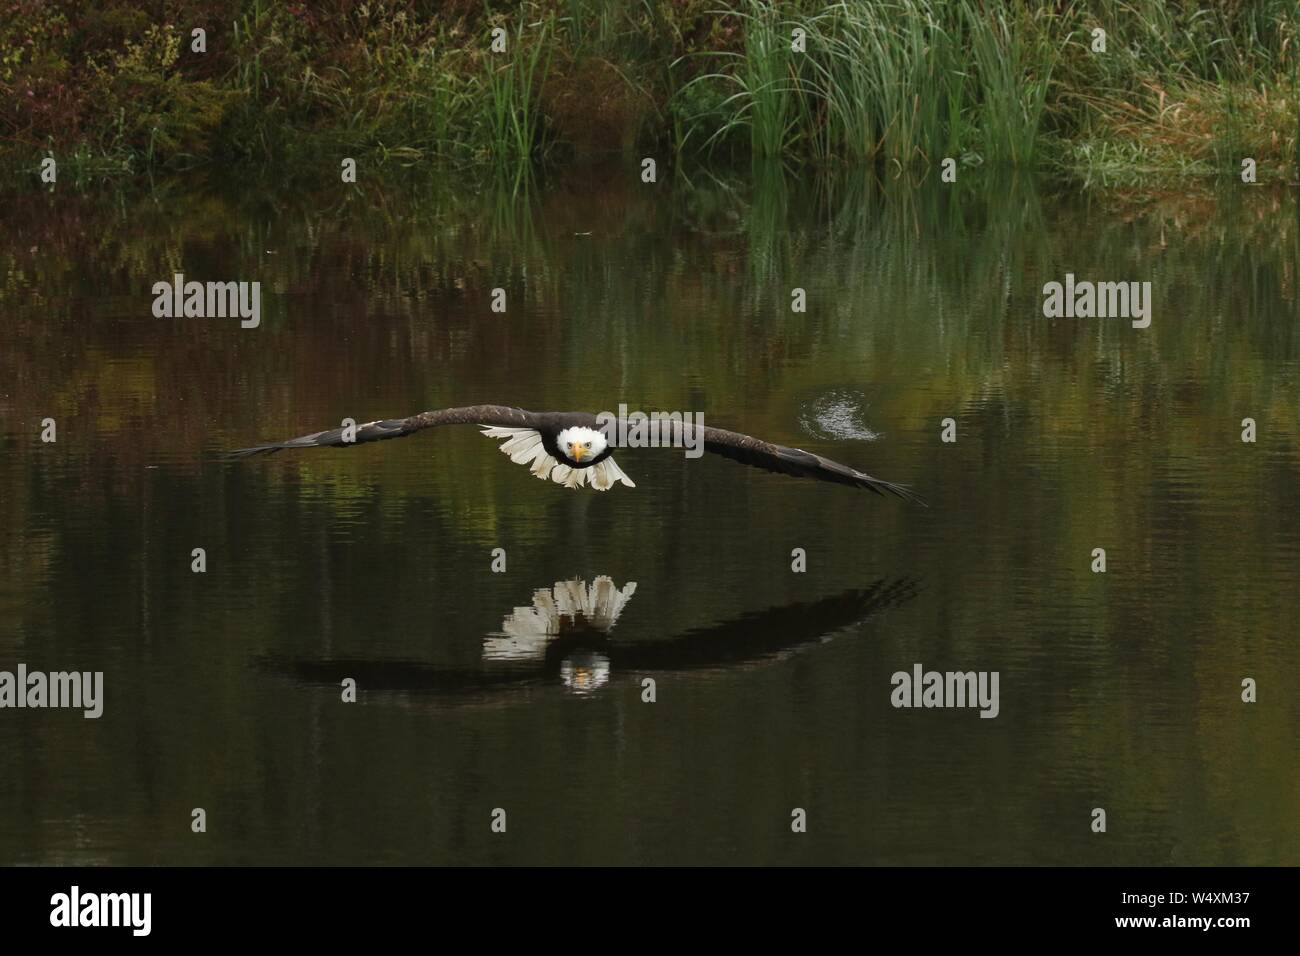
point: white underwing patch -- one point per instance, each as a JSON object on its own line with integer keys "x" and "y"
{"x": 524, "y": 446}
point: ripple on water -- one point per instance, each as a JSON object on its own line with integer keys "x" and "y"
{"x": 838, "y": 415}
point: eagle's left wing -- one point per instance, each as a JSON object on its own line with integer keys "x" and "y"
{"x": 757, "y": 453}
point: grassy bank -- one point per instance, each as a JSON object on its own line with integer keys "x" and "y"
{"x": 1179, "y": 86}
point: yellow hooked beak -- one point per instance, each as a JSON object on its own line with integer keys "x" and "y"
{"x": 576, "y": 452}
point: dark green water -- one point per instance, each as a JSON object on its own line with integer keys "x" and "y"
{"x": 1119, "y": 690}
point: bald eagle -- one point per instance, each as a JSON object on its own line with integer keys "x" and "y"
{"x": 571, "y": 449}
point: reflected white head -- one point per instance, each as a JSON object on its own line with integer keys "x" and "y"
{"x": 580, "y": 445}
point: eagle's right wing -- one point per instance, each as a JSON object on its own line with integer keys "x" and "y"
{"x": 499, "y": 415}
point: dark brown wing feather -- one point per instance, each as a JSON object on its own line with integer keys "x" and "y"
{"x": 500, "y": 415}
{"x": 795, "y": 461}
{"x": 742, "y": 448}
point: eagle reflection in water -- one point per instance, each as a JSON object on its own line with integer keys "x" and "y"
{"x": 569, "y": 611}
{"x": 565, "y": 636}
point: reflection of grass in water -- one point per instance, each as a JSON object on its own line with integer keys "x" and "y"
{"x": 510, "y": 203}
{"x": 891, "y": 267}
{"x": 768, "y": 238}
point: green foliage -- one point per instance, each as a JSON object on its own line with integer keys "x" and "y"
{"x": 914, "y": 80}
{"x": 902, "y": 82}
{"x": 152, "y": 106}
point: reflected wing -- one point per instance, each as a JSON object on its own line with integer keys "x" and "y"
{"x": 499, "y": 415}
{"x": 748, "y": 640}
{"x": 760, "y": 636}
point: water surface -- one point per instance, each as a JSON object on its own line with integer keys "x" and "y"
{"x": 1118, "y": 690}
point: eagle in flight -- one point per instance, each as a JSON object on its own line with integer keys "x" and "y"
{"x": 571, "y": 449}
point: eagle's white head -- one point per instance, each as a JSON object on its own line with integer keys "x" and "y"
{"x": 580, "y": 444}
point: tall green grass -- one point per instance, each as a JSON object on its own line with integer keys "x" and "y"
{"x": 760, "y": 84}
{"x": 890, "y": 78}
{"x": 900, "y": 80}
{"x": 514, "y": 117}
{"x": 914, "y": 81}
{"x": 1014, "y": 54}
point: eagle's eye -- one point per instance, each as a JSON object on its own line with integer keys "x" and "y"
{"x": 587, "y": 445}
